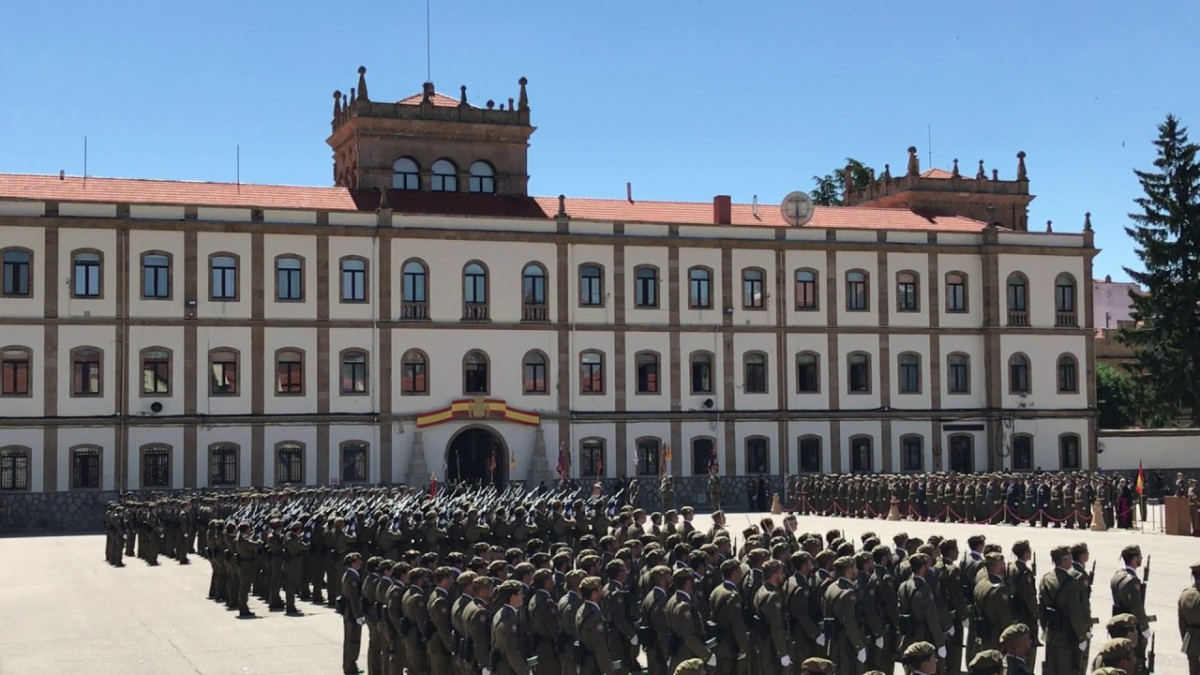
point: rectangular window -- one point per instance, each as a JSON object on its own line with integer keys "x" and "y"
{"x": 535, "y": 375}
{"x": 856, "y": 292}
{"x": 224, "y": 278}
{"x": 756, "y": 374}
{"x": 224, "y": 376}
{"x": 1022, "y": 453}
{"x": 806, "y": 291}
{"x": 591, "y": 459}
{"x": 414, "y": 381}
{"x": 354, "y": 281}
{"x": 85, "y": 376}
{"x": 289, "y": 281}
{"x": 702, "y": 456}
{"x": 1069, "y": 452}
{"x": 591, "y": 376}
{"x": 645, "y": 288}
{"x": 958, "y": 376}
{"x": 87, "y": 275}
{"x": 1016, "y": 296}
{"x": 156, "y": 373}
{"x": 906, "y": 294}
{"x": 861, "y": 456}
{"x": 956, "y": 293}
{"x": 354, "y": 373}
{"x": 752, "y": 289}
{"x": 290, "y": 374}
{"x": 289, "y": 465}
{"x": 808, "y": 378}
{"x": 156, "y": 467}
{"x": 912, "y": 456}
{"x": 810, "y": 454}
{"x": 699, "y": 289}
{"x": 702, "y": 375}
{"x": 354, "y": 463}
{"x": 649, "y": 456}
{"x": 860, "y": 375}
{"x": 647, "y": 374}
{"x": 591, "y": 286}
{"x": 756, "y": 456}
{"x": 85, "y": 468}
{"x": 16, "y": 274}
{"x": 14, "y": 373}
{"x": 156, "y": 277}
{"x": 910, "y": 375}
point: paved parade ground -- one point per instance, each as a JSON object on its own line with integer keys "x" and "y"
{"x": 64, "y": 610}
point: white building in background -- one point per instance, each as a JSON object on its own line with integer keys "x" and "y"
{"x": 162, "y": 334}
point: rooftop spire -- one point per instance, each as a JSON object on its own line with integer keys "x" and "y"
{"x": 362, "y": 83}
{"x": 337, "y": 102}
{"x": 523, "y": 99}
{"x": 981, "y": 174}
{"x": 914, "y": 164}
{"x": 1087, "y": 222}
{"x": 463, "y": 99}
{"x": 954, "y": 172}
{"x": 1021, "y": 175}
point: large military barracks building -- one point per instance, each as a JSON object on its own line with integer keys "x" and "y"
{"x": 426, "y": 316}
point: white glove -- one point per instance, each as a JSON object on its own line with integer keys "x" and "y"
{"x": 1083, "y": 646}
{"x": 741, "y": 656}
{"x": 950, "y": 632}
{"x": 1147, "y": 633}
{"x": 862, "y": 655}
{"x": 785, "y": 661}
{"x": 821, "y": 640}
{"x": 360, "y": 620}
{"x": 712, "y": 661}
{"x": 879, "y": 642}
{"x": 633, "y": 641}
{"x": 941, "y": 652}
{"x": 487, "y": 671}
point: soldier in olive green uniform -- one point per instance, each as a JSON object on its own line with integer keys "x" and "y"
{"x": 1066, "y": 628}
{"x": 622, "y": 639}
{"x": 920, "y": 658}
{"x": 439, "y": 606}
{"x": 919, "y": 619}
{"x": 592, "y": 632}
{"x": 686, "y": 624}
{"x": 986, "y": 662}
{"x": 1129, "y": 596}
{"x": 568, "y": 608}
{"x": 477, "y": 622}
{"x": 352, "y": 613}
{"x": 295, "y": 551}
{"x": 993, "y": 609}
{"x": 1023, "y": 590}
{"x": 729, "y": 618}
{"x": 656, "y": 630}
{"x": 1118, "y": 653}
{"x": 416, "y": 628}
{"x": 772, "y": 619}
{"x": 847, "y": 645}
{"x": 1189, "y": 621}
{"x": 544, "y": 624}
{"x": 507, "y": 629}
{"x": 247, "y": 549}
{"x": 1016, "y": 643}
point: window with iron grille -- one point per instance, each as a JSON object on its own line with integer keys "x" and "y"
{"x": 649, "y": 456}
{"x": 85, "y": 468}
{"x": 756, "y": 455}
{"x": 156, "y": 466}
{"x": 354, "y": 462}
{"x": 14, "y": 469}
{"x": 289, "y": 463}
{"x": 591, "y": 458}
{"x": 223, "y": 465}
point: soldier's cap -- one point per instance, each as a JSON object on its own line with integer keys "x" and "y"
{"x": 481, "y": 581}
{"x": 511, "y": 586}
{"x": 682, "y": 575}
{"x": 687, "y": 511}
{"x": 574, "y": 576}
{"x": 1116, "y": 649}
{"x": 1108, "y": 670}
{"x": 243, "y": 526}
{"x": 466, "y": 578}
{"x": 671, "y": 512}
{"x": 1059, "y": 552}
{"x": 429, "y": 558}
{"x": 374, "y": 561}
{"x": 1131, "y": 550}
{"x": 1014, "y": 633}
{"x": 844, "y": 562}
{"x": 689, "y": 667}
{"x": 994, "y": 557}
{"x": 386, "y": 563}
{"x": 351, "y": 557}
{"x": 1195, "y": 566}
{"x": 986, "y": 662}
{"x": 590, "y": 584}
{"x": 1077, "y": 549}
{"x": 639, "y": 512}
{"x": 1121, "y": 623}
{"x": 296, "y": 525}
{"x": 816, "y": 666}
{"x": 918, "y": 652}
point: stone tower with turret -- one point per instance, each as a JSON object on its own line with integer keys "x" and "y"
{"x": 937, "y": 192}
{"x": 430, "y": 142}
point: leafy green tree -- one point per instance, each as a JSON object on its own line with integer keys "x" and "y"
{"x": 828, "y": 189}
{"x": 1166, "y": 336}
{"x": 1116, "y": 394}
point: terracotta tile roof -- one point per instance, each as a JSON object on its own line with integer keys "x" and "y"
{"x": 936, "y": 173}
{"x": 439, "y": 100}
{"x": 166, "y": 192}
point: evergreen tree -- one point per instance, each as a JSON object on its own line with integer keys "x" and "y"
{"x": 1166, "y": 230}
{"x": 828, "y": 190}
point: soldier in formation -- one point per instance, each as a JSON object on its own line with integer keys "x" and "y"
{"x": 474, "y": 582}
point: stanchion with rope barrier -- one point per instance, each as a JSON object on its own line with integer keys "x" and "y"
{"x": 1009, "y": 511}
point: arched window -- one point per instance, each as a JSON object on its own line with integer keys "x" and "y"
{"x": 533, "y": 292}
{"x": 702, "y": 372}
{"x": 475, "y": 372}
{"x": 223, "y": 370}
{"x": 591, "y": 285}
{"x": 406, "y": 175}
{"x": 223, "y": 277}
{"x": 810, "y": 454}
{"x": 753, "y": 293}
{"x": 858, "y": 372}
{"x": 416, "y": 298}
{"x": 1064, "y": 301}
{"x": 156, "y": 371}
{"x": 475, "y": 292}
{"x": 909, "y": 373}
{"x": 156, "y": 466}
{"x": 1018, "y": 374}
{"x": 87, "y": 280}
{"x": 862, "y": 458}
{"x": 1068, "y": 374}
{"x": 414, "y": 375}
{"x": 354, "y": 461}
{"x": 14, "y": 468}
{"x": 87, "y": 372}
{"x": 908, "y": 292}
{"x": 649, "y": 456}
{"x": 289, "y": 463}
{"x": 289, "y": 372}
{"x": 700, "y": 288}
{"x": 757, "y": 458}
{"x": 354, "y": 279}
{"x": 1068, "y": 452}
{"x": 591, "y": 457}
{"x": 703, "y": 456}
{"x": 808, "y": 373}
{"x": 912, "y": 453}
{"x": 1022, "y": 452}
{"x": 483, "y": 178}
{"x": 645, "y": 287}
{"x": 1018, "y": 300}
{"x": 647, "y": 372}
{"x": 958, "y": 373}
{"x": 15, "y": 370}
{"x": 807, "y": 299}
{"x": 591, "y": 372}
{"x": 223, "y": 464}
{"x": 755, "y": 373}
{"x": 962, "y": 453}
{"x": 858, "y": 291}
{"x": 956, "y": 292}
{"x": 85, "y": 467}
{"x": 289, "y": 278}
{"x": 354, "y": 372}
{"x": 17, "y": 273}
{"x": 445, "y": 176}
{"x": 156, "y": 276}
{"x": 534, "y": 373}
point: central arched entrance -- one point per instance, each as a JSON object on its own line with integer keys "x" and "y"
{"x": 477, "y": 455}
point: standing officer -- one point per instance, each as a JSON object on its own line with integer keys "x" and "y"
{"x": 993, "y": 609}
{"x": 1067, "y": 629}
{"x": 1189, "y": 621}
{"x": 622, "y": 639}
{"x": 593, "y": 635}
{"x": 1129, "y": 596}
{"x": 772, "y": 621}
{"x": 686, "y": 624}
{"x": 246, "y": 550}
{"x": 441, "y": 638}
{"x": 352, "y": 613}
{"x": 417, "y": 628}
{"x": 730, "y": 620}
{"x": 506, "y": 631}
{"x": 950, "y": 577}
{"x": 477, "y": 622}
{"x": 1023, "y": 590}
{"x": 919, "y": 619}
{"x": 543, "y": 618}
{"x": 294, "y": 552}
{"x": 847, "y": 644}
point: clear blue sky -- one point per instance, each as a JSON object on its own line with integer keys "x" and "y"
{"x": 684, "y": 98}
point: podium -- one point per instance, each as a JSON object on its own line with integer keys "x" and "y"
{"x": 1177, "y": 516}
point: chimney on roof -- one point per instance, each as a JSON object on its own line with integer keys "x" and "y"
{"x": 754, "y": 206}
{"x": 722, "y": 210}
{"x": 1108, "y": 278}
{"x": 62, "y": 175}
{"x": 629, "y": 192}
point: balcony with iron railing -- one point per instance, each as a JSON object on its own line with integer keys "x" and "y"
{"x": 535, "y": 312}
{"x": 1066, "y": 320}
{"x": 1018, "y": 319}
{"x": 475, "y": 311}
{"x": 414, "y": 311}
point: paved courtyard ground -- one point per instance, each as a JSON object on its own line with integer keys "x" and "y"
{"x": 63, "y": 610}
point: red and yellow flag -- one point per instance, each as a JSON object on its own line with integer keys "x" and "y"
{"x": 1141, "y": 481}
